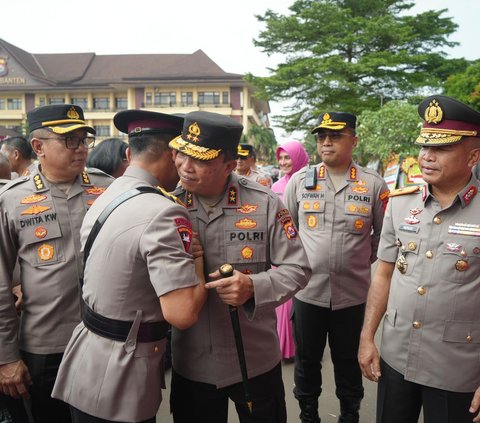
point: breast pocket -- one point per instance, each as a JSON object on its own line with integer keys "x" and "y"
{"x": 41, "y": 245}
{"x": 460, "y": 260}
{"x": 245, "y": 242}
{"x": 409, "y": 249}
{"x": 312, "y": 215}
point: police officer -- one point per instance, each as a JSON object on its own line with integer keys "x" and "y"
{"x": 141, "y": 255}
{"x": 428, "y": 280}
{"x": 5, "y": 170}
{"x": 338, "y": 207}
{"x": 19, "y": 153}
{"x": 40, "y": 221}
{"x": 244, "y": 224}
{"x": 246, "y": 165}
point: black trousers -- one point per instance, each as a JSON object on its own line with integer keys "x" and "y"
{"x": 311, "y": 327}
{"x": 400, "y": 401}
{"x": 43, "y": 369}
{"x": 196, "y": 402}
{"x": 81, "y": 417}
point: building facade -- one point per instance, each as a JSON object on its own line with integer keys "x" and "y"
{"x": 105, "y": 84}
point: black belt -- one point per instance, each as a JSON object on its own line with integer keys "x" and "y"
{"x": 118, "y": 330}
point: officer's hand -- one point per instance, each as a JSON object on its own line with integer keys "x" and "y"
{"x": 196, "y": 248}
{"x": 14, "y": 379}
{"x": 235, "y": 290}
{"x": 369, "y": 360}
{"x": 17, "y": 292}
{"x": 475, "y": 405}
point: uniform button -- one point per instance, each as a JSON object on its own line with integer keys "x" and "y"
{"x": 155, "y": 348}
{"x": 417, "y": 325}
{"x": 469, "y": 339}
{"x": 429, "y": 254}
{"x": 130, "y": 343}
{"x": 421, "y": 290}
{"x": 437, "y": 220}
{"x": 412, "y": 246}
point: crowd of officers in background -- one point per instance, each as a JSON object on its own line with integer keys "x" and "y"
{"x": 111, "y": 263}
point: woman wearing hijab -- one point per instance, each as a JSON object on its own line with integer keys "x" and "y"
{"x": 291, "y": 157}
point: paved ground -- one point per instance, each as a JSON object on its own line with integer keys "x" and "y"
{"x": 329, "y": 407}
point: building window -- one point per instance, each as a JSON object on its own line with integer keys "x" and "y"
{"x": 208, "y": 97}
{"x": 14, "y": 104}
{"x": 225, "y": 97}
{"x": 187, "y": 98}
{"x": 56, "y": 100}
{"x": 102, "y": 130}
{"x": 80, "y": 101}
{"x": 165, "y": 99}
{"x": 121, "y": 103}
{"x": 101, "y": 103}
{"x": 148, "y": 99}
{"x": 2, "y": 103}
{"x": 41, "y": 102}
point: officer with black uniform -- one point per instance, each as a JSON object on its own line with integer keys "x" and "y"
{"x": 40, "y": 221}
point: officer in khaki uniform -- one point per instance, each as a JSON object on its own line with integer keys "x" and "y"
{"x": 40, "y": 221}
{"x": 244, "y": 224}
{"x": 5, "y": 170}
{"x": 246, "y": 166}
{"x": 427, "y": 282}
{"x": 339, "y": 208}
{"x": 141, "y": 254}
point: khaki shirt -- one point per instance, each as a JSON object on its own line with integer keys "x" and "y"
{"x": 141, "y": 253}
{"x": 256, "y": 176}
{"x": 431, "y": 332}
{"x": 252, "y": 230}
{"x": 40, "y": 225}
{"x": 4, "y": 182}
{"x": 340, "y": 231}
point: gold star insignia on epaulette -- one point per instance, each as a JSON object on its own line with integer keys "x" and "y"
{"x": 39, "y": 185}
{"x": 232, "y": 196}
{"x": 189, "y": 198}
{"x": 85, "y": 178}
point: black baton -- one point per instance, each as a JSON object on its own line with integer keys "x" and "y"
{"x": 226, "y": 270}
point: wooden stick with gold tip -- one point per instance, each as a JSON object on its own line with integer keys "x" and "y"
{"x": 226, "y": 270}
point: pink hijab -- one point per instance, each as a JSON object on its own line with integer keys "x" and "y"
{"x": 299, "y": 159}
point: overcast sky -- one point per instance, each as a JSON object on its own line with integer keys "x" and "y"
{"x": 223, "y": 29}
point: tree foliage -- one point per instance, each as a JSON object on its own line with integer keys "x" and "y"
{"x": 351, "y": 55}
{"x": 389, "y": 130}
{"x": 465, "y": 86}
{"x": 264, "y": 142}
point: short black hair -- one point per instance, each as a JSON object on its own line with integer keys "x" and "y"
{"x": 155, "y": 143}
{"x": 22, "y": 145}
{"x": 108, "y": 155}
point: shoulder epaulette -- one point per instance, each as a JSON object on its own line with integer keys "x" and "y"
{"x": 14, "y": 182}
{"x": 171, "y": 197}
{"x": 96, "y": 171}
{"x": 404, "y": 191}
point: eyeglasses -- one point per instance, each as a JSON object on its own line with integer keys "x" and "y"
{"x": 334, "y": 136}
{"x": 72, "y": 142}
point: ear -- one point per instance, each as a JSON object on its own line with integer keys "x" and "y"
{"x": 37, "y": 146}
{"x": 354, "y": 141}
{"x": 16, "y": 154}
{"x": 230, "y": 166}
{"x": 128, "y": 154}
{"x": 473, "y": 157}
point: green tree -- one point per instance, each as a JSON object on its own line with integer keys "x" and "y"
{"x": 351, "y": 55}
{"x": 465, "y": 86}
{"x": 264, "y": 142}
{"x": 389, "y": 130}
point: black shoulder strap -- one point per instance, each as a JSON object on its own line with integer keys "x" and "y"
{"x": 107, "y": 211}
